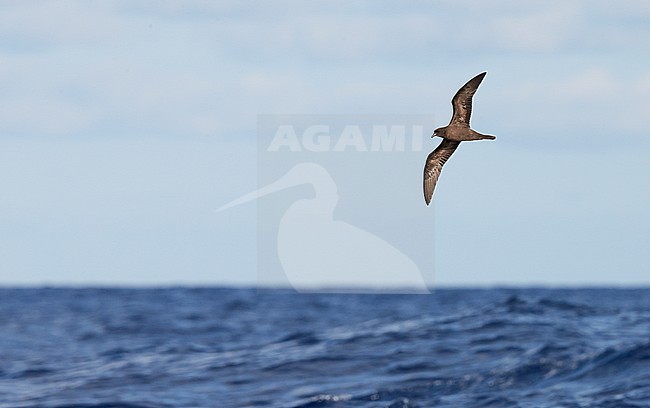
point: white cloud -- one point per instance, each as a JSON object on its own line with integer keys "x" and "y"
{"x": 593, "y": 84}
{"x": 544, "y": 30}
{"x": 205, "y": 68}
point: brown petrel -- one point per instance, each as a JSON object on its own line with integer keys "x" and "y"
{"x": 456, "y": 131}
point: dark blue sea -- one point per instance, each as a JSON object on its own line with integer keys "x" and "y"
{"x": 211, "y": 347}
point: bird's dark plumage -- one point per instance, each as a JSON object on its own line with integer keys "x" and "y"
{"x": 433, "y": 167}
{"x": 462, "y": 101}
{"x": 458, "y": 130}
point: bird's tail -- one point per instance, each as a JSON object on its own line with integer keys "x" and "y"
{"x": 480, "y": 136}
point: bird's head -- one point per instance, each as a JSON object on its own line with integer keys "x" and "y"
{"x": 439, "y": 132}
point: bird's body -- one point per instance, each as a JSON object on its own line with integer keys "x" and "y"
{"x": 462, "y": 133}
{"x": 457, "y": 131}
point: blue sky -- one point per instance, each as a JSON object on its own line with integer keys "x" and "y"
{"x": 124, "y": 124}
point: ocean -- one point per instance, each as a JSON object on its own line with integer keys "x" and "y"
{"x": 225, "y": 347}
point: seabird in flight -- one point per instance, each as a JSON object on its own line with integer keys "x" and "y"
{"x": 456, "y": 131}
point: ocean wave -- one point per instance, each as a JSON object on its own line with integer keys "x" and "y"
{"x": 242, "y": 348}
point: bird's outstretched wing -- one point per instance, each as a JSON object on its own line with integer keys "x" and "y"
{"x": 462, "y": 101}
{"x": 433, "y": 166}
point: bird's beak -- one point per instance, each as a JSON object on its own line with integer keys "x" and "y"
{"x": 433, "y": 135}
